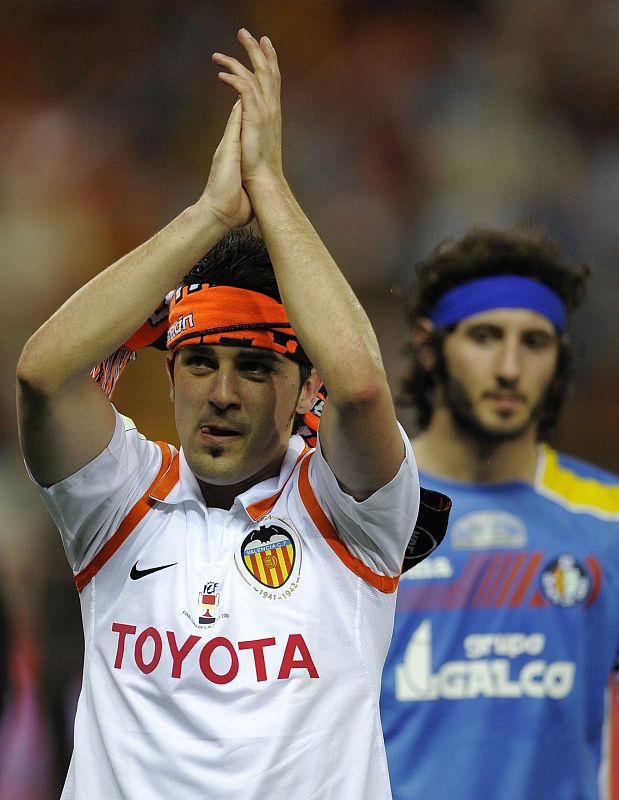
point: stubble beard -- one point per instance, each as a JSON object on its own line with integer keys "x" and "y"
{"x": 460, "y": 406}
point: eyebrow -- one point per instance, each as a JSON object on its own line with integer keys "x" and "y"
{"x": 254, "y": 353}
{"x": 259, "y": 354}
{"x": 500, "y": 328}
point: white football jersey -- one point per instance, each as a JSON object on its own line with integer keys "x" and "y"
{"x": 230, "y": 653}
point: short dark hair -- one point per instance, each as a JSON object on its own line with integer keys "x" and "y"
{"x": 241, "y": 259}
{"x": 522, "y": 251}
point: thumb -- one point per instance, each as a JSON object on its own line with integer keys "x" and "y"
{"x": 231, "y": 139}
{"x": 233, "y": 126}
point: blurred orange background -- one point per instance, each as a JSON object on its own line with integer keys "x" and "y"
{"x": 405, "y": 123}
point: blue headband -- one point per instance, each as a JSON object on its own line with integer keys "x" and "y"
{"x": 498, "y": 291}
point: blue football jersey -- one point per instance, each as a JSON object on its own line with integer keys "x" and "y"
{"x": 501, "y": 679}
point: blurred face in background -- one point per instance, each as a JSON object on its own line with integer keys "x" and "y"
{"x": 498, "y": 367}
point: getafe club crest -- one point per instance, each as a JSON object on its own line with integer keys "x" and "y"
{"x": 565, "y": 582}
{"x": 270, "y": 556}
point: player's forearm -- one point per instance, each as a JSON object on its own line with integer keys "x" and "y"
{"x": 328, "y": 318}
{"x": 105, "y": 312}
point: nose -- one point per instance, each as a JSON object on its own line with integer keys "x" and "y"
{"x": 223, "y": 389}
{"x": 508, "y": 361}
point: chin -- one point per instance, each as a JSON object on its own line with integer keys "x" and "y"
{"x": 503, "y": 425}
{"x": 212, "y": 468}
{"x": 506, "y": 433}
{"x": 219, "y": 479}
{"x": 492, "y": 431}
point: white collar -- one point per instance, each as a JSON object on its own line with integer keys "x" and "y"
{"x": 256, "y": 501}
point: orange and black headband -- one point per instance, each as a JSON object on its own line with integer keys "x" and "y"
{"x": 202, "y": 314}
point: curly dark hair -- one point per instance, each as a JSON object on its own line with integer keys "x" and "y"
{"x": 482, "y": 252}
{"x": 241, "y": 259}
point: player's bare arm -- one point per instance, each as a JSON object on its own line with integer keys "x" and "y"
{"x": 65, "y": 419}
{"x": 359, "y": 433}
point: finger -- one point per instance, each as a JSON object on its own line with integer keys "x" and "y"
{"x": 234, "y": 121}
{"x": 248, "y": 90}
{"x": 232, "y": 132}
{"x": 233, "y": 65}
{"x": 241, "y": 79}
{"x": 261, "y": 65}
{"x": 233, "y": 126}
{"x": 252, "y": 48}
{"x": 266, "y": 45}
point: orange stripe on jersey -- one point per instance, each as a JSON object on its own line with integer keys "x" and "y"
{"x": 383, "y": 583}
{"x": 482, "y": 589}
{"x": 503, "y": 563}
{"x": 596, "y": 571}
{"x": 164, "y": 480}
{"x": 262, "y": 507}
{"x": 613, "y": 744}
{"x": 515, "y": 566}
{"x": 525, "y": 581}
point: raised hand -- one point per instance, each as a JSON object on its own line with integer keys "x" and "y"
{"x": 224, "y": 194}
{"x": 332, "y": 327}
{"x": 259, "y": 91}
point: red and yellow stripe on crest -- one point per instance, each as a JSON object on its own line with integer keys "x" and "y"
{"x": 271, "y": 564}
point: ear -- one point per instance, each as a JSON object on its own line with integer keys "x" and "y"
{"x": 420, "y": 335}
{"x": 169, "y": 362}
{"x": 308, "y": 392}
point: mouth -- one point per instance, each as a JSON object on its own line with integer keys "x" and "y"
{"x": 218, "y": 433}
{"x": 506, "y": 400}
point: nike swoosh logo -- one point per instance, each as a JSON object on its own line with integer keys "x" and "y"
{"x": 136, "y": 573}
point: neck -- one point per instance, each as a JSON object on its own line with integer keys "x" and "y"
{"x": 219, "y": 496}
{"x": 445, "y": 451}
{"x": 223, "y": 495}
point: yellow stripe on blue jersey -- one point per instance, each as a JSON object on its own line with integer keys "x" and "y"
{"x": 574, "y": 491}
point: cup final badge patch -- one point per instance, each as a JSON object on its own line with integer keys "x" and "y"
{"x": 269, "y": 558}
{"x": 208, "y": 600}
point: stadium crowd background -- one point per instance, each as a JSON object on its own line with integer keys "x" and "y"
{"x": 406, "y": 122}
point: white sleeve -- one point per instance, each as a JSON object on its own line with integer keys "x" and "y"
{"x": 375, "y": 530}
{"x": 89, "y": 505}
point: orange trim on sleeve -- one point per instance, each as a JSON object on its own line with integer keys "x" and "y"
{"x": 164, "y": 483}
{"x": 262, "y": 507}
{"x": 383, "y": 583}
{"x": 164, "y": 480}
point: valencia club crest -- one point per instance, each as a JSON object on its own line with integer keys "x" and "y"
{"x": 270, "y": 555}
